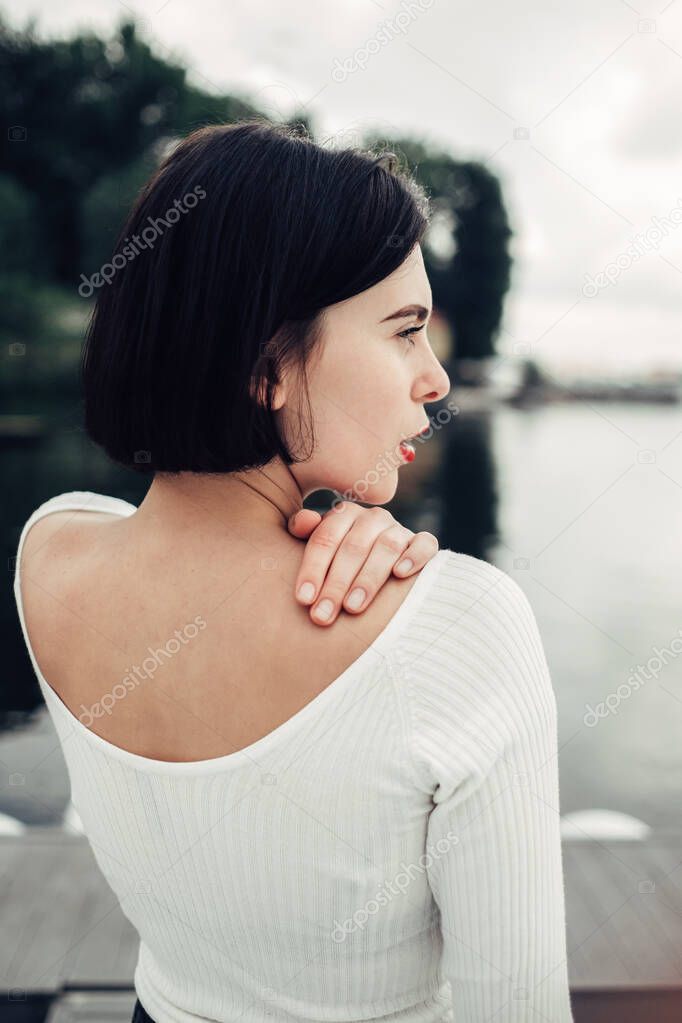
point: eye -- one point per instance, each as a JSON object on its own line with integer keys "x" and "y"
{"x": 410, "y": 330}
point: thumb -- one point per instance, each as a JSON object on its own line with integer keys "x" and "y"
{"x": 302, "y": 522}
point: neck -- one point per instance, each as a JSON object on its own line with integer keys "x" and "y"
{"x": 260, "y": 499}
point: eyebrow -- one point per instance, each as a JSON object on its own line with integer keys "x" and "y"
{"x": 420, "y": 311}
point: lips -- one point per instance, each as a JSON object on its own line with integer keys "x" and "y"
{"x": 407, "y": 451}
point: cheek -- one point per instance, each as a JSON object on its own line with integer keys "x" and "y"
{"x": 358, "y": 404}
{"x": 359, "y": 390}
{"x": 356, "y": 454}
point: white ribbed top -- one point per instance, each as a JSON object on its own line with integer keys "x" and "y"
{"x": 391, "y": 851}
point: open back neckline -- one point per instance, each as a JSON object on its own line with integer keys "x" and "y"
{"x": 383, "y": 645}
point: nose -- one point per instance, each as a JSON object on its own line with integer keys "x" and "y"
{"x": 433, "y": 383}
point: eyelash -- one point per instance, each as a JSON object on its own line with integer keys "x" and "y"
{"x": 410, "y": 330}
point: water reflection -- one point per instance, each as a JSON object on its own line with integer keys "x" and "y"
{"x": 467, "y": 484}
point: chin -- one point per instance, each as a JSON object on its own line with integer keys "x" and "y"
{"x": 360, "y": 485}
{"x": 373, "y": 491}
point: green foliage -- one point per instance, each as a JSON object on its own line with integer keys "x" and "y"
{"x": 105, "y": 208}
{"x": 21, "y": 243}
{"x": 23, "y": 307}
{"x": 86, "y": 108}
{"x": 90, "y": 117}
{"x": 40, "y": 330}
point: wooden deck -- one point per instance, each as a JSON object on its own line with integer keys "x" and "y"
{"x": 64, "y": 938}
{"x": 624, "y": 929}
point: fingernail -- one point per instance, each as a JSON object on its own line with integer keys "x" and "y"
{"x": 405, "y": 565}
{"x": 306, "y": 591}
{"x": 356, "y": 598}
{"x": 324, "y": 610}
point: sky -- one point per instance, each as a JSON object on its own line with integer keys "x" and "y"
{"x": 575, "y": 107}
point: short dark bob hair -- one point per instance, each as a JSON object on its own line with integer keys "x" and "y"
{"x": 255, "y": 230}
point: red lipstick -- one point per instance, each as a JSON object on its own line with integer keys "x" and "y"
{"x": 407, "y": 451}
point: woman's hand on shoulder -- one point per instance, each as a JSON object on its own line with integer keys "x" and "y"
{"x": 352, "y": 548}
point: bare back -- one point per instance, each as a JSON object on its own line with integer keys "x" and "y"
{"x": 197, "y": 652}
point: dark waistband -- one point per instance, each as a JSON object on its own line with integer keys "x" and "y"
{"x": 140, "y": 1015}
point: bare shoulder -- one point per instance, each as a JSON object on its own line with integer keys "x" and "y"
{"x": 56, "y": 543}
{"x": 53, "y": 557}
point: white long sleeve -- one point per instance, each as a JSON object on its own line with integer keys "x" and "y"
{"x": 399, "y": 831}
{"x": 484, "y": 740}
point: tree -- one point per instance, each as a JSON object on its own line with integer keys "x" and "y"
{"x": 81, "y": 109}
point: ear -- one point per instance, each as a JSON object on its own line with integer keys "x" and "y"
{"x": 279, "y": 396}
{"x": 258, "y": 391}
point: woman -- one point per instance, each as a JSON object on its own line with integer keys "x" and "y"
{"x": 358, "y": 821}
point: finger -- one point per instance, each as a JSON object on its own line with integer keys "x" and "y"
{"x": 369, "y": 538}
{"x": 322, "y": 545}
{"x": 422, "y": 547}
{"x": 387, "y": 550}
{"x": 302, "y": 523}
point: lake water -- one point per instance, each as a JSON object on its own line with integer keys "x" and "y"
{"x": 580, "y": 502}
